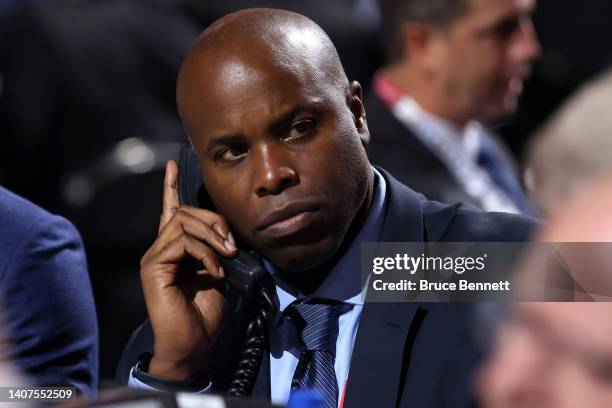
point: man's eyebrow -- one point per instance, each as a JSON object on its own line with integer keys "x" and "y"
{"x": 283, "y": 122}
{"x": 224, "y": 140}
{"x": 509, "y": 21}
{"x": 512, "y": 18}
{"x": 277, "y": 126}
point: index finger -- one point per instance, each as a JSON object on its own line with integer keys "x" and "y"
{"x": 171, "y": 202}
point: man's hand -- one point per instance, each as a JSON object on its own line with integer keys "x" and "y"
{"x": 185, "y": 305}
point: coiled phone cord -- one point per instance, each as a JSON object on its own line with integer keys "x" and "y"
{"x": 257, "y": 336}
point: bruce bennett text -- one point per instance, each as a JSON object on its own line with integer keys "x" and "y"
{"x": 425, "y": 285}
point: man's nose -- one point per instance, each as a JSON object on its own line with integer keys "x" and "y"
{"x": 526, "y": 46}
{"x": 273, "y": 171}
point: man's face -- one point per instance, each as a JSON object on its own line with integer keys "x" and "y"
{"x": 281, "y": 153}
{"x": 483, "y": 57}
{"x": 551, "y": 355}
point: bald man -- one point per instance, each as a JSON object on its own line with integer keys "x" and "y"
{"x": 279, "y": 133}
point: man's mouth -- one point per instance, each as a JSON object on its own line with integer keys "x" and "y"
{"x": 514, "y": 82}
{"x": 288, "y": 219}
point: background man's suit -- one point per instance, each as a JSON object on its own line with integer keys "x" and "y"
{"x": 405, "y": 354}
{"x": 397, "y": 148}
{"x": 46, "y": 296}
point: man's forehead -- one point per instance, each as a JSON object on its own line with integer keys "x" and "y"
{"x": 242, "y": 98}
{"x": 237, "y": 70}
{"x": 236, "y": 83}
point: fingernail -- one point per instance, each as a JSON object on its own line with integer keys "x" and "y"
{"x": 201, "y": 272}
{"x": 229, "y": 245}
{"x": 221, "y": 272}
{"x": 231, "y": 239}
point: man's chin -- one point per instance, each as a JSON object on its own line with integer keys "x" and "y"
{"x": 510, "y": 104}
{"x": 301, "y": 258}
{"x": 503, "y": 101}
{"x": 500, "y": 109}
{"x": 510, "y": 99}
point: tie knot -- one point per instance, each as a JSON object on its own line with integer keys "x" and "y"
{"x": 318, "y": 323}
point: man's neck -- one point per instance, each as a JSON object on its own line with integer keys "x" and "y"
{"x": 426, "y": 94}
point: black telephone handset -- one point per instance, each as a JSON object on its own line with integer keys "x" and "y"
{"x": 244, "y": 272}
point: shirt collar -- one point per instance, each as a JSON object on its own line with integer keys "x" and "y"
{"x": 343, "y": 283}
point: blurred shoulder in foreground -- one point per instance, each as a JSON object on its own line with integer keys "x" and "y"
{"x": 558, "y": 354}
{"x": 47, "y": 297}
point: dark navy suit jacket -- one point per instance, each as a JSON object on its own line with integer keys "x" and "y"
{"x": 397, "y": 149}
{"x": 46, "y": 296}
{"x": 405, "y": 354}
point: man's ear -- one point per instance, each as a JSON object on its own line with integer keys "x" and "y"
{"x": 355, "y": 101}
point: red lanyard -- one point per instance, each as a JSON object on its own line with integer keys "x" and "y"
{"x": 387, "y": 91}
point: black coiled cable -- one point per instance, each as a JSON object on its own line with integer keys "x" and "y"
{"x": 256, "y": 340}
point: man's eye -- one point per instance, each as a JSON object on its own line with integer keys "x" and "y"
{"x": 505, "y": 30}
{"x": 232, "y": 153}
{"x": 301, "y": 128}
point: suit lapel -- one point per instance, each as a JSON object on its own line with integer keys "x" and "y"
{"x": 403, "y": 219}
{"x": 378, "y": 355}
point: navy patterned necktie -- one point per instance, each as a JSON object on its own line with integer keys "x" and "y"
{"x": 318, "y": 325}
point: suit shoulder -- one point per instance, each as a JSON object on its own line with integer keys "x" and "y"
{"x": 45, "y": 284}
{"x": 15, "y": 210}
{"x": 28, "y": 227}
{"x": 18, "y": 216}
{"x": 465, "y": 223}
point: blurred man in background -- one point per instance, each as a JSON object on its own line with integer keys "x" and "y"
{"x": 453, "y": 65}
{"x": 559, "y": 354}
{"x": 47, "y": 297}
{"x": 572, "y": 148}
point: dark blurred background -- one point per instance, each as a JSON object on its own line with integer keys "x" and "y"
{"x": 88, "y": 115}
